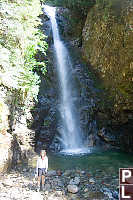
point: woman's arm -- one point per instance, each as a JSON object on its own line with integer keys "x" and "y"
{"x": 37, "y": 167}
{"x": 46, "y": 164}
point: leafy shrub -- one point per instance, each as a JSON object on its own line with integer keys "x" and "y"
{"x": 20, "y": 41}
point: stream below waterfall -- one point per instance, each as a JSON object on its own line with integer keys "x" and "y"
{"x": 95, "y": 176}
{"x": 110, "y": 161}
{"x": 97, "y": 173}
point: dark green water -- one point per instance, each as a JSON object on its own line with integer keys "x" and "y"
{"x": 110, "y": 160}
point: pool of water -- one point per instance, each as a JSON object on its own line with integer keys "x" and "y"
{"x": 108, "y": 161}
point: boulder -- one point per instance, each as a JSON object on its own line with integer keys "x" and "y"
{"x": 5, "y": 152}
{"x": 75, "y": 181}
{"x": 91, "y": 180}
{"x": 72, "y": 188}
{"x": 51, "y": 173}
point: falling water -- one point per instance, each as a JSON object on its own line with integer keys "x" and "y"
{"x": 71, "y": 135}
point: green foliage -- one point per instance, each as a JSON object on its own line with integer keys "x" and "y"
{"x": 37, "y": 45}
{"x": 20, "y": 42}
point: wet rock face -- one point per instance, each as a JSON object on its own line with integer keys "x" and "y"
{"x": 106, "y": 44}
{"x": 67, "y": 21}
{"x": 46, "y": 116}
{"x": 100, "y": 103}
{"x": 108, "y": 137}
{"x": 45, "y": 123}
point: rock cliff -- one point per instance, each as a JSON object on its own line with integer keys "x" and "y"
{"x": 104, "y": 37}
{"x": 107, "y": 39}
{"x": 107, "y": 46}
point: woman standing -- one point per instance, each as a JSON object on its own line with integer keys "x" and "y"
{"x": 41, "y": 168}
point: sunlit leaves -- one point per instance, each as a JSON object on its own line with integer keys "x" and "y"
{"x": 20, "y": 42}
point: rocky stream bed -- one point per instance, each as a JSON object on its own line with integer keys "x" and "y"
{"x": 66, "y": 184}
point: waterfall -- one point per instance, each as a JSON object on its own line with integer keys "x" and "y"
{"x": 70, "y": 133}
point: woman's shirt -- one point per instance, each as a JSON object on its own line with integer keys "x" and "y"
{"x": 42, "y": 163}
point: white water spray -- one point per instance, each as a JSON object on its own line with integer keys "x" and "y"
{"x": 71, "y": 135}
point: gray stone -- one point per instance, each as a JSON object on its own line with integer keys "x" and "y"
{"x": 51, "y": 173}
{"x": 47, "y": 187}
{"x": 86, "y": 190}
{"x": 72, "y": 188}
{"x": 91, "y": 180}
{"x": 75, "y": 181}
{"x": 83, "y": 172}
{"x": 60, "y": 183}
{"x": 59, "y": 193}
{"x": 46, "y": 192}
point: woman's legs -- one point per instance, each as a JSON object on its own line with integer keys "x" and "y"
{"x": 43, "y": 181}
{"x": 39, "y": 180}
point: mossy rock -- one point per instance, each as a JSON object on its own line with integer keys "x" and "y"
{"x": 107, "y": 46}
